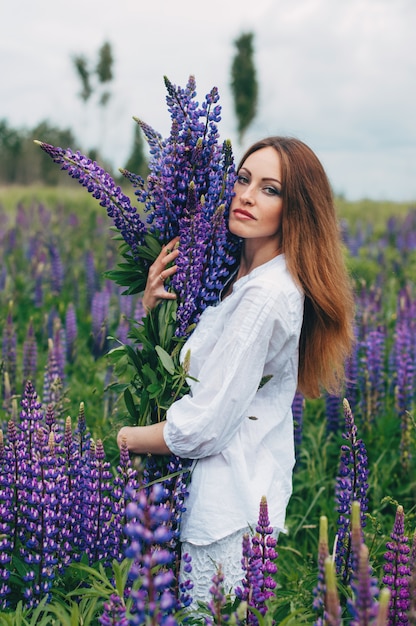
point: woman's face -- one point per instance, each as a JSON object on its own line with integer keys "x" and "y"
{"x": 256, "y": 208}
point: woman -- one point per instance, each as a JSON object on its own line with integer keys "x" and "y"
{"x": 287, "y": 313}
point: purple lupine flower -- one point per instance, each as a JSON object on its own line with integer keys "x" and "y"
{"x": 404, "y": 384}
{"x": 9, "y": 344}
{"x": 101, "y": 185}
{"x": 217, "y": 597}
{"x": 185, "y": 584}
{"x": 59, "y": 348}
{"x": 40, "y": 546}
{"x": 371, "y": 381}
{"x": 412, "y": 585}
{"x": 57, "y": 269}
{"x": 333, "y": 412}
{"x": 187, "y": 280}
{"x": 71, "y": 332}
{"x": 7, "y": 504}
{"x": 148, "y": 529}
{"x": 139, "y": 310}
{"x": 52, "y": 382}
{"x": 173, "y": 473}
{"x": 351, "y": 485}
{"x": 190, "y": 187}
{"x": 96, "y": 523}
{"x": 91, "y": 277}
{"x": 122, "y": 331}
{"x": 114, "y": 613}
{"x": 298, "y": 406}
{"x": 323, "y": 554}
{"x": 352, "y": 376}
{"x": 30, "y": 355}
{"x": 72, "y": 544}
{"x": 30, "y": 416}
{"x": 364, "y": 607}
{"x": 258, "y": 563}
{"x": 125, "y": 482}
{"x": 397, "y": 571}
{"x": 100, "y": 307}
{"x": 83, "y": 437}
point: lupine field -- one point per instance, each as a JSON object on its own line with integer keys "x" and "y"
{"x": 83, "y": 542}
{"x": 89, "y": 535}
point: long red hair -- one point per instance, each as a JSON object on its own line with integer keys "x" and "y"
{"x": 313, "y": 250}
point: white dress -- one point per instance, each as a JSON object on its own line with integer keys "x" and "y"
{"x": 240, "y": 436}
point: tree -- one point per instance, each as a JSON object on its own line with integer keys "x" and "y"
{"x": 21, "y": 162}
{"x": 244, "y": 83}
{"x": 103, "y": 71}
{"x": 95, "y": 80}
{"x": 137, "y": 162}
{"x": 81, "y": 67}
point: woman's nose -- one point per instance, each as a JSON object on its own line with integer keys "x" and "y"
{"x": 247, "y": 195}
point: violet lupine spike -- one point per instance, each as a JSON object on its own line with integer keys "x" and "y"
{"x": 259, "y": 565}
{"x": 91, "y": 277}
{"x": 149, "y": 535}
{"x": 125, "y": 482}
{"x": 320, "y": 588}
{"x": 174, "y": 477}
{"x": 114, "y": 613}
{"x": 364, "y": 606}
{"x": 100, "y": 307}
{"x": 31, "y": 415}
{"x": 9, "y": 346}
{"x": 52, "y": 382}
{"x": 371, "y": 382}
{"x": 351, "y": 485}
{"x": 333, "y": 412}
{"x": 57, "y": 269}
{"x": 185, "y": 584}
{"x": 30, "y": 355}
{"x": 7, "y": 511}
{"x": 405, "y": 380}
{"x": 412, "y": 584}
{"x": 190, "y": 264}
{"x": 101, "y": 185}
{"x": 40, "y": 546}
{"x": 83, "y": 437}
{"x": 97, "y": 502}
{"x": 217, "y": 598}
{"x": 59, "y": 348}
{"x": 71, "y": 332}
{"x": 298, "y": 406}
{"x": 72, "y": 544}
{"x": 397, "y": 571}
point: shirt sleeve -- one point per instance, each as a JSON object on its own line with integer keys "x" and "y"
{"x": 202, "y": 423}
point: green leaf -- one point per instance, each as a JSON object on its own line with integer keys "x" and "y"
{"x": 131, "y": 407}
{"x": 165, "y": 359}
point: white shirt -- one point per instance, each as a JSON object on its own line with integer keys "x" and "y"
{"x": 242, "y": 436}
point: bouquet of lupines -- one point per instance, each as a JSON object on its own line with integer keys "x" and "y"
{"x": 186, "y": 194}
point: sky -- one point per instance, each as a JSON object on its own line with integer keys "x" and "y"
{"x": 337, "y": 74}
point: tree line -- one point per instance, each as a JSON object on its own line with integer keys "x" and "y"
{"x": 22, "y": 163}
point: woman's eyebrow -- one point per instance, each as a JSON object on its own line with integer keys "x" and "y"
{"x": 264, "y": 178}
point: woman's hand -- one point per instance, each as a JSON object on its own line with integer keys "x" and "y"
{"x": 158, "y": 272}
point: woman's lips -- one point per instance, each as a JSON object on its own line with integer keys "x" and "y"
{"x": 244, "y": 215}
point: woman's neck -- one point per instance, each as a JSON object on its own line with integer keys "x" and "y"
{"x": 253, "y": 256}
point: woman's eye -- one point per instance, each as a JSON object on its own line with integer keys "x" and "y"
{"x": 242, "y": 179}
{"x": 273, "y": 191}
